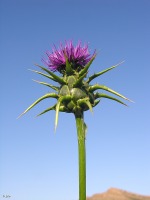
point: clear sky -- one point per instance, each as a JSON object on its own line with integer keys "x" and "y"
{"x": 36, "y": 163}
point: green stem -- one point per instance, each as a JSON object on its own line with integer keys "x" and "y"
{"x": 82, "y": 154}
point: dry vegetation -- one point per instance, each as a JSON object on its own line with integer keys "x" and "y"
{"x": 116, "y": 194}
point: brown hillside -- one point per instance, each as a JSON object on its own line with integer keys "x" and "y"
{"x": 117, "y": 194}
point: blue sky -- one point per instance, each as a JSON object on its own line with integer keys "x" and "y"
{"x": 35, "y": 162}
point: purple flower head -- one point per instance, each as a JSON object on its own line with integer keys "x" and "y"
{"x": 77, "y": 56}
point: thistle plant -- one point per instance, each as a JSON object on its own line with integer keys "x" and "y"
{"x": 75, "y": 93}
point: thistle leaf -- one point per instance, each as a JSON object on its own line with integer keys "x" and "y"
{"x": 78, "y": 83}
{"x": 49, "y": 95}
{"x": 47, "y": 76}
{"x": 47, "y": 110}
{"x": 47, "y": 84}
{"x": 102, "y": 72}
{"x": 96, "y": 102}
{"x": 56, "y": 78}
{"x": 101, "y": 95}
{"x": 68, "y": 66}
{"x": 64, "y": 109}
{"x": 89, "y": 105}
{"x": 85, "y": 101}
{"x": 85, "y": 69}
{"x": 103, "y": 87}
{"x": 58, "y": 107}
{"x": 57, "y": 112}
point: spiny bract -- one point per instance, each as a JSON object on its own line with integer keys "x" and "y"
{"x": 75, "y": 94}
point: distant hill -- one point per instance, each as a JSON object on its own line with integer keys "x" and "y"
{"x": 117, "y": 194}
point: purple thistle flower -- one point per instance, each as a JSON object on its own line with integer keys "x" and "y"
{"x": 77, "y": 56}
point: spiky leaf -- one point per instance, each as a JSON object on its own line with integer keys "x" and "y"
{"x": 101, "y": 95}
{"x": 60, "y": 100}
{"x": 85, "y": 102}
{"x": 69, "y": 69}
{"x": 103, "y": 87}
{"x": 102, "y": 72}
{"x": 79, "y": 81}
{"x": 47, "y": 76}
{"x": 49, "y": 95}
{"x": 85, "y": 69}
{"x": 56, "y": 78}
{"x": 47, "y": 110}
{"x": 47, "y": 84}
